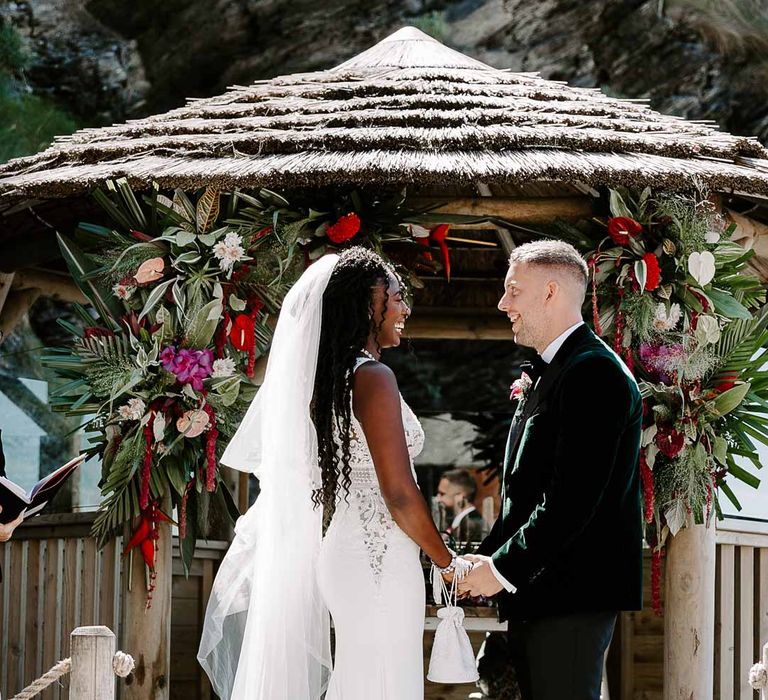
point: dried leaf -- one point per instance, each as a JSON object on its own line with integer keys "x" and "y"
{"x": 207, "y": 209}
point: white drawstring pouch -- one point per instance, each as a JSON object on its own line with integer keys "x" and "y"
{"x": 452, "y": 659}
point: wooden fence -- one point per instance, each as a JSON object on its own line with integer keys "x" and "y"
{"x": 55, "y": 580}
{"x": 741, "y": 625}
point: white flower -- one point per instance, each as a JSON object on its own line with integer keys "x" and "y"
{"x": 223, "y": 368}
{"x": 232, "y": 239}
{"x": 229, "y": 251}
{"x": 712, "y": 236}
{"x": 133, "y": 410}
{"x": 666, "y": 321}
{"x": 123, "y": 291}
{"x": 158, "y": 427}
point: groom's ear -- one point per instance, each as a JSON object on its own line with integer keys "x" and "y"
{"x": 551, "y": 289}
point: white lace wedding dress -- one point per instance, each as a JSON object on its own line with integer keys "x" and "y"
{"x": 371, "y": 580}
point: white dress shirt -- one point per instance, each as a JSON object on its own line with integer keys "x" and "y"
{"x": 460, "y": 516}
{"x": 548, "y": 355}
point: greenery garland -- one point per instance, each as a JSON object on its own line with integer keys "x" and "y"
{"x": 184, "y": 290}
{"x": 677, "y": 301}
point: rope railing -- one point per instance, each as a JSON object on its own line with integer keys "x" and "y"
{"x": 93, "y": 665}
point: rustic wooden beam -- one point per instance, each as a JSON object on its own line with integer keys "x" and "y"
{"x": 6, "y": 282}
{"x": 481, "y": 326}
{"x": 146, "y": 634}
{"x": 14, "y": 308}
{"x": 517, "y": 210}
{"x": 51, "y": 284}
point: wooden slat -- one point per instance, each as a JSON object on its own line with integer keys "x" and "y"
{"x": 745, "y": 611}
{"x": 5, "y": 602}
{"x": 107, "y": 587}
{"x": 13, "y": 622}
{"x": 88, "y": 587}
{"x": 69, "y": 603}
{"x": 726, "y": 580}
{"x": 762, "y": 597}
{"x": 32, "y": 623}
{"x": 51, "y": 616}
{"x": 750, "y": 539}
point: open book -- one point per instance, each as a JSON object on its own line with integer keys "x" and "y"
{"x": 14, "y": 499}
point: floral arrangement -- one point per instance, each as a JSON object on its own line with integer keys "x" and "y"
{"x": 183, "y": 292}
{"x": 677, "y": 301}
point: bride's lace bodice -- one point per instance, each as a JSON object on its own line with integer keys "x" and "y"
{"x": 365, "y": 500}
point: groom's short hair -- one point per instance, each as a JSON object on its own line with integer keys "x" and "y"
{"x": 557, "y": 254}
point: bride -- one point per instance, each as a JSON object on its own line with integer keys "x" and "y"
{"x": 339, "y": 520}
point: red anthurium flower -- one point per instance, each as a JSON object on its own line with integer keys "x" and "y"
{"x": 242, "y": 335}
{"x": 621, "y": 229}
{"x": 727, "y": 381}
{"x": 653, "y": 272}
{"x": 438, "y": 235}
{"x": 95, "y": 332}
{"x": 670, "y": 441}
{"x": 344, "y": 229}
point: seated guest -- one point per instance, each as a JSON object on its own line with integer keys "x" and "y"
{"x": 456, "y": 492}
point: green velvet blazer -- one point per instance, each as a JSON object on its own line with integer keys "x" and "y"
{"x": 569, "y": 536}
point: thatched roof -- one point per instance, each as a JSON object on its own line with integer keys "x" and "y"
{"x": 406, "y": 110}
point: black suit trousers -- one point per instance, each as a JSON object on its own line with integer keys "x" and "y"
{"x": 561, "y": 658}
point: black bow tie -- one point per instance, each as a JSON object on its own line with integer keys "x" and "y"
{"x": 534, "y": 368}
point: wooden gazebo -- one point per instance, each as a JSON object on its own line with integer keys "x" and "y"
{"x": 409, "y": 111}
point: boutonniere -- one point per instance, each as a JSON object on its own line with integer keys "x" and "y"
{"x": 520, "y": 387}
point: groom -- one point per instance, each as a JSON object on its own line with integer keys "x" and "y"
{"x": 565, "y": 554}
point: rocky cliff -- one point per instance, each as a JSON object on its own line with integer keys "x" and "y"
{"x": 107, "y": 60}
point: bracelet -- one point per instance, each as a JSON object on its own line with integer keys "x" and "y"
{"x": 450, "y": 567}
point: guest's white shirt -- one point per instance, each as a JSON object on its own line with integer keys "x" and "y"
{"x": 460, "y": 516}
{"x": 548, "y": 355}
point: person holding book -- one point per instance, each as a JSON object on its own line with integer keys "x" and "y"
{"x": 6, "y": 530}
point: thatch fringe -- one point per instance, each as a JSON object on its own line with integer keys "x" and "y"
{"x": 392, "y": 167}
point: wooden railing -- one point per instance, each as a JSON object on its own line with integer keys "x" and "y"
{"x": 55, "y": 579}
{"x": 741, "y": 611}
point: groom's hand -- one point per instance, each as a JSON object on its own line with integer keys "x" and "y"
{"x": 480, "y": 581}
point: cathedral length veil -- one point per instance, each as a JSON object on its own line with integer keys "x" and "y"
{"x": 266, "y": 634}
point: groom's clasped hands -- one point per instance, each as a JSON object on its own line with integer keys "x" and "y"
{"x": 477, "y": 580}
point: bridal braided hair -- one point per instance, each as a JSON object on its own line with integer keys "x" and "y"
{"x": 348, "y": 319}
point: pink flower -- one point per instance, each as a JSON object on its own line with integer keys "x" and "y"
{"x": 192, "y": 423}
{"x": 150, "y": 271}
{"x": 520, "y": 388}
{"x": 188, "y": 366}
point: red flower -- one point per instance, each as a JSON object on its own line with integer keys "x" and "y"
{"x": 653, "y": 272}
{"x": 344, "y": 229}
{"x": 242, "y": 335}
{"x": 727, "y": 381}
{"x": 621, "y": 229}
{"x": 670, "y": 441}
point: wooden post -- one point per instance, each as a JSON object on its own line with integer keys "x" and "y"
{"x": 689, "y": 618}
{"x": 92, "y": 651}
{"x": 146, "y": 634}
{"x": 14, "y": 308}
